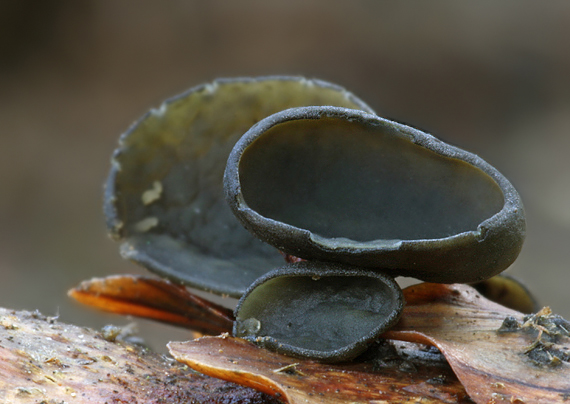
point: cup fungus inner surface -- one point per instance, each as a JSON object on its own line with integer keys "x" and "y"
{"x": 348, "y": 179}
{"x": 318, "y": 313}
{"x": 164, "y": 195}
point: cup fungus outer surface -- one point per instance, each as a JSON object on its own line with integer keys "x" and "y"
{"x": 334, "y": 184}
{"x": 164, "y": 197}
{"x": 325, "y": 311}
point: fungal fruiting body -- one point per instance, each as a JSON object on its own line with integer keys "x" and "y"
{"x": 324, "y": 311}
{"x": 209, "y": 187}
{"x": 342, "y": 185}
{"x": 164, "y": 197}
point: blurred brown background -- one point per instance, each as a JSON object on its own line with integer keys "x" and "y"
{"x": 491, "y": 77}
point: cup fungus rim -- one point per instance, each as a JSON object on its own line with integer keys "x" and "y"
{"x": 114, "y": 223}
{"x": 118, "y": 222}
{"x": 509, "y": 220}
{"x": 308, "y": 269}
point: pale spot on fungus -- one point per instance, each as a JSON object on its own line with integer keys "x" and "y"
{"x": 160, "y": 111}
{"x": 146, "y": 224}
{"x": 153, "y": 194}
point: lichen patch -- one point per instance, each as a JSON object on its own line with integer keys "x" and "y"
{"x": 549, "y": 333}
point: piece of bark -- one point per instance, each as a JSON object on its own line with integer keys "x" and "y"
{"x": 379, "y": 380}
{"x": 45, "y": 361}
{"x": 500, "y": 355}
{"x": 154, "y": 298}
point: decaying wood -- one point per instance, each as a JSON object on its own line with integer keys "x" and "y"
{"x": 156, "y": 299}
{"x": 296, "y": 381}
{"x": 492, "y": 354}
{"x": 500, "y": 355}
{"x": 45, "y": 361}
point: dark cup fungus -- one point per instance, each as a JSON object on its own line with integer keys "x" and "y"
{"x": 164, "y": 196}
{"x": 333, "y": 184}
{"x": 319, "y": 177}
{"x": 324, "y": 311}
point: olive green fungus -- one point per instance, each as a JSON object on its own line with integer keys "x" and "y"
{"x": 335, "y": 184}
{"x": 208, "y": 188}
{"x": 164, "y": 197}
{"x": 332, "y": 316}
